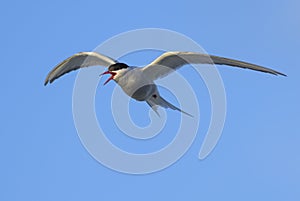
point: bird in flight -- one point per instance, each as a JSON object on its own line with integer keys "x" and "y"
{"x": 138, "y": 82}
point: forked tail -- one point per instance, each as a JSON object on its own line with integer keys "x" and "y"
{"x": 156, "y": 101}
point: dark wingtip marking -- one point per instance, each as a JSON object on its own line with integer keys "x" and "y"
{"x": 278, "y": 73}
{"x": 283, "y": 74}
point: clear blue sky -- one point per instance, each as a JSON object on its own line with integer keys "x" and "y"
{"x": 257, "y": 157}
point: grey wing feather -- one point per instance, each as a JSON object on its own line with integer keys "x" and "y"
{"x": 79, "y": 60}
{"x": 170, "y": 61}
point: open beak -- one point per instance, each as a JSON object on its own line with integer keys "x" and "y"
{"x": 112, "y": 75}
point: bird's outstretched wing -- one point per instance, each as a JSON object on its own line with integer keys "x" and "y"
{"x": 79, "y": 60}
{"x": 170, "y": 61}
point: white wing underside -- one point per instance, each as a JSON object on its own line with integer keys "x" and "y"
{"x": 171, "y": 61}
{"x": 79, "y": 60}
{"x": 160, "y": 67}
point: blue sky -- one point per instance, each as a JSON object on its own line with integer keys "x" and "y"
{"x": 257, "y": 156}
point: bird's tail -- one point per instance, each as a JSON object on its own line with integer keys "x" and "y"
{"x": 156, "y": 101}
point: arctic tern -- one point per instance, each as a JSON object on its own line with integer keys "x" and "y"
{"x": 137, "y": 82}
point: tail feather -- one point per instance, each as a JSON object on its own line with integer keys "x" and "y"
{"x": 153, "y": 107}
{"x": 156, "y": 101}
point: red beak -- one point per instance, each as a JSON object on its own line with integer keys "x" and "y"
{"x": 110, "y": 78}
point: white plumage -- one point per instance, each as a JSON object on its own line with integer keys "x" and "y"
{"x": 138, "y": 83}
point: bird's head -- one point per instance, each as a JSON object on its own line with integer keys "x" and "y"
{"x": 115, "y": 70}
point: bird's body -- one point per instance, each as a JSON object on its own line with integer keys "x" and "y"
{"x": 138, "y": 83}
{"x": 135, "y": 84}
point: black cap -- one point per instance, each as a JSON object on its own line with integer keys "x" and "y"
{"x": 117, "y": 66}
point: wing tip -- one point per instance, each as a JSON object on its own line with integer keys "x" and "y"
{"x": 282, "y": 74}
{"x": 279, "y": 74}
{"x": 46, "y": 81}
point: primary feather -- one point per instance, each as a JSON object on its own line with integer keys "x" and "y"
{"x": 79, "y": 60}
{"x": 171, "y": 61}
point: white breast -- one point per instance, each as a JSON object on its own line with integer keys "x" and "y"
{"x": 135, "y": 84}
